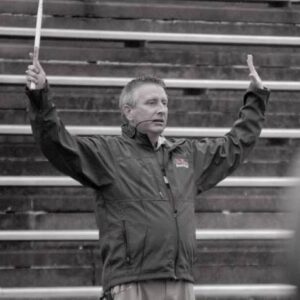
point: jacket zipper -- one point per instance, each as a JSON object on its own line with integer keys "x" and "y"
{"x": 127, "y": 253}
{"x": 174, "y": 208}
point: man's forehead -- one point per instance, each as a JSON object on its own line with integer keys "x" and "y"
{"x": 147, "y": 89}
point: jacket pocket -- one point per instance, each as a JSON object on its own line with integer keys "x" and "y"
{"x": 134, "y": 235}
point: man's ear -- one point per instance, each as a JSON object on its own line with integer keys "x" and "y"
{"x": 127, "y": 111}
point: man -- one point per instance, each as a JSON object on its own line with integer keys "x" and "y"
{"x": 146, "y": 184}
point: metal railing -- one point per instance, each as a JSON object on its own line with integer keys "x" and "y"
{"x": 277, "y": 133}
{"x": 93, "y": 235}
{"x": 62, "y": 33}
{"x": 216, "y": 290}
{"x": 234, "y": 181}
{"x": 170, "y": 83}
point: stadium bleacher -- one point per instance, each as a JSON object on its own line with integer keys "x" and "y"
{"x": 90, "y": 49}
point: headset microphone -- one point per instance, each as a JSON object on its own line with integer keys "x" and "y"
{"x": 139, "y": 123}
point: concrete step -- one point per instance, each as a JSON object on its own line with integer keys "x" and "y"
{"x": 81, "y": 199}
{"x": 49, "y": 264}
{"x": 164, "y": 71}
{"x": 171, "y": 10}
{"x": 42, "y": 220}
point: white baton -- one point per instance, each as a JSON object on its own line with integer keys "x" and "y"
{"x": 37, "y": 38}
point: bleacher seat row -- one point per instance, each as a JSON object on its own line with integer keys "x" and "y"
{"x": 171, "y": 83}
{"x": 152, "y": 36}
{"x": 270, "y": 291}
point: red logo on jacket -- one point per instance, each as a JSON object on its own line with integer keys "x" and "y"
{"x": 181, "y": 162}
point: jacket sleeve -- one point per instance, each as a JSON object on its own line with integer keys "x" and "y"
{"x": 86, "y": 159}
{"x": 216, "y": 158}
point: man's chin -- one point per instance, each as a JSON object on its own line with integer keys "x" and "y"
{"x": 158, "y": 129}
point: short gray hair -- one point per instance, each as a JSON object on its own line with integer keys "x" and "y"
{"x": 126, "y": 96}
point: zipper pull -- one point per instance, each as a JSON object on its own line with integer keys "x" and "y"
{"x": 166, "y": 180}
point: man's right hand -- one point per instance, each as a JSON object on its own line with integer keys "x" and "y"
{"x": 255, "y": 80}
{"x": 36, "y": 74}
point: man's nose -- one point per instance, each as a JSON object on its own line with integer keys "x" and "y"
{"x": 162, "y": 108}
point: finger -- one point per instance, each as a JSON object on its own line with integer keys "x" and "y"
{"x": 31, "y": 73}
{"x": 38, "y": 66}
{"x": 33, "y": 56}
{"x": 33, "y": 68}
{"x": 31, "y": 79}
{"x": 250, "y": 63}
{"x": 27, "y": 77}
{"x": 253, "y": 77}
{"x": 256, "y": 81}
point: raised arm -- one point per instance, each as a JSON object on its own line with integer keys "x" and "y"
{"x": 83, "y": 158}
{"x": 216, "y": 158}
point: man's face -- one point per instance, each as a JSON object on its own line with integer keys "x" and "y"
{"x": 152, "y": 107}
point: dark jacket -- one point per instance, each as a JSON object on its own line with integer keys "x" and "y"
{"x": 145, "y": 198}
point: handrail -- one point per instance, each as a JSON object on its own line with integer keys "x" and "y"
{"x": 62, "y": 33}
{"x": 245, "y": 290}
{"x": 93, "y": 235}
{"x": 255, "y": 1}
{"x": 277, "y": 133}
{"x": 234, "y": 181}
{"x": 222, "y": 290}
{"x": 170, "y": 83}
{"x": 243, "y": 234}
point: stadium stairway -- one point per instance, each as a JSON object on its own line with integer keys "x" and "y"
{"x": 48, "y": 234}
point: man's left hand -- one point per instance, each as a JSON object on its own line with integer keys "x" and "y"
{"x": 255, "y": 80}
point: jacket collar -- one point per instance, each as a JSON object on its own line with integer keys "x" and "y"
{"x": 141, "y": 138}
{"x": 131, "y": 132}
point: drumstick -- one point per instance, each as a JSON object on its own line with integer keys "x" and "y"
{"x": 37, "y": 38}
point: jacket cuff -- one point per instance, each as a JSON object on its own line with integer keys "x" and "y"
{"x": 262, "y": 94}
{"x": 39, "y": 101}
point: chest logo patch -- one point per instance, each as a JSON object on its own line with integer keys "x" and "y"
{"x": 181, "y": 162}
